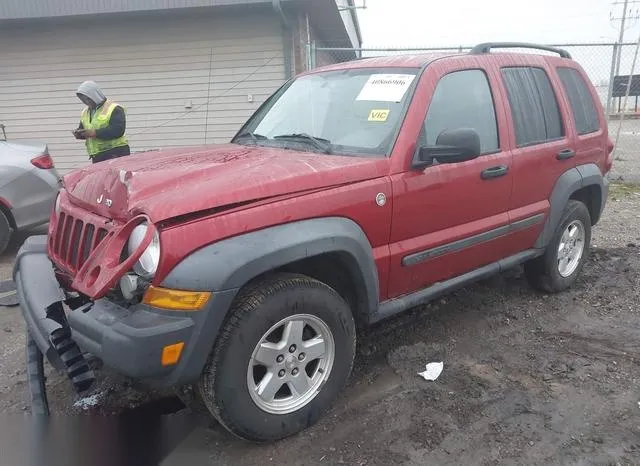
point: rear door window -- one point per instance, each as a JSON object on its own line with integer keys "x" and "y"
{"x": 534, "y": 107}
{"x": 581, "y": 101}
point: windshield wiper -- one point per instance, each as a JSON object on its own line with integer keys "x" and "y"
{"x": 249, "y": 134}
{"x": 323, "y": 144}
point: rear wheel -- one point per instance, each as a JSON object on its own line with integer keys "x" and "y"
{"x": 284, "y": 354}
{"x": 559, "y": 267}
{"x": 5, "y": 232}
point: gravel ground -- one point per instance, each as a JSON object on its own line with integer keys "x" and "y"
{"x": 528, "y": 378}
{"x": 626, "y": 167}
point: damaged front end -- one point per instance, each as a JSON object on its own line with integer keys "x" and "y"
{"x": 92, "y": 252}
{"x": 63, "y": 281}
{"x": 48, "y": 330}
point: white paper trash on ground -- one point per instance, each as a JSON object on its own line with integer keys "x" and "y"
{"x": 88, "y": 401}
{"x": 434, "y": 369}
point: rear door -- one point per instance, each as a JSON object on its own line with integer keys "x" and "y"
{"x": 543, "y": 146}
{"x": 589, "y": 123}
{"x": 448, "y": 218}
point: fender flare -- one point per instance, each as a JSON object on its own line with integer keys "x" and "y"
{"x": 231, "y": 263}
{"x": 226, "y": 266}
{"x": 569, "y": 183}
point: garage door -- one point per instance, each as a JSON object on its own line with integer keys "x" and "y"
{"x": 184, "y": 80}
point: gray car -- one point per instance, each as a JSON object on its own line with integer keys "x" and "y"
{"x": 29, "y": 184}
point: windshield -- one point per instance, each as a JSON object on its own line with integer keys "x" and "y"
{"x": 348, "y": 112}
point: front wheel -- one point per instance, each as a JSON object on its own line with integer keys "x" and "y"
{"x": 280, "y": 361}
{"x": 559, "y": 267}
{"x": 5, "y": 232}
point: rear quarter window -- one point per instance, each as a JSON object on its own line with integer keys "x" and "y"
{"x": 581, "y": 101}
{"x": 534, "y": 107}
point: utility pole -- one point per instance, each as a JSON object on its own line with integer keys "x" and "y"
{"x": 616, "y": 58}
{"x": 353, "y": 6}
{"x": 623, "y": 20}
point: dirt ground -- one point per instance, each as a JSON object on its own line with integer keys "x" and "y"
{"x": 626, "y": 167}
{"x": 528, "y": 378}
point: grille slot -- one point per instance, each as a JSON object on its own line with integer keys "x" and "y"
{"x": 102, "y": 234}
{"x": 74, "y": 245}
{"x": 87, "y": 242}
{"x": 66, "y": 232}
{"x": 58, "y": 238}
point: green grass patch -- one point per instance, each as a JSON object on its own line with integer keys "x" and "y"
{"x": 619, "y": 190}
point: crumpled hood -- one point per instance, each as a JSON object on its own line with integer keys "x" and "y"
{"x": 167, "y": 184}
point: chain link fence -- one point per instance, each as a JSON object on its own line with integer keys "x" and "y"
{"x": 601, "y": 61}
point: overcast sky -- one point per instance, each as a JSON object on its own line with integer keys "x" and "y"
{"x": 429, "y": 23}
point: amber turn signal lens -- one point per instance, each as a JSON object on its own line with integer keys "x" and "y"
{"x": 171, "y": 354}
{"x": 175, "y": 300}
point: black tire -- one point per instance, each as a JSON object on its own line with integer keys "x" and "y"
{"x": 5, "y": 232}
{"x": 224, "y": 382}
{"x": 36, "y": 379}
{"x": 542, "y": 272}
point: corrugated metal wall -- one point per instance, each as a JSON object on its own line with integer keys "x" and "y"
{"x": 155, "y": 67}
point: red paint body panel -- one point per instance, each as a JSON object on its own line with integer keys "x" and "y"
{"x": 445, "y": 203}
{"x": 356, "y": 202}
{"x": 179, "y": 182}
{"x": 593, "y": 147}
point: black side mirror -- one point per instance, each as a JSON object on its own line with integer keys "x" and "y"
{"x": 452, "y": 146}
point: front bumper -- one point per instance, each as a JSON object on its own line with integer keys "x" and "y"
{"x": 127, "y": 340}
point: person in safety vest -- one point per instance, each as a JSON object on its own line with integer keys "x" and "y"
{"x": 102, "y": 124}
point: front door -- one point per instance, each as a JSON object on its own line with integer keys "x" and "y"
{"x": 448, "y": 218}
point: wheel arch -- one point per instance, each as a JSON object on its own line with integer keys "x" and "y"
{"x": 584, "y": 183}
{"x": 234, "y": 262}
{"x": 340, "y": 271}
{"x": 326, "y": 249}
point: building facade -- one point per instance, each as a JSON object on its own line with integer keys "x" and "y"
{"x": 189, "y": 72}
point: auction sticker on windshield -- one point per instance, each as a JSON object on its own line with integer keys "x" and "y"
{"x": 378, "y": 115}
{"x": 386, "y": 87}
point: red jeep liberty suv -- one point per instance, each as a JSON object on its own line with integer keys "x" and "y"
{"x": 240, "y": 272}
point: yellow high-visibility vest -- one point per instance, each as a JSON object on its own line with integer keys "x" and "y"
{"x": 101, "y": 120}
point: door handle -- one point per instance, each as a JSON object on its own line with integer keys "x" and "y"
{"x": 494, "y": 172}
{"x": 565, "y": 154}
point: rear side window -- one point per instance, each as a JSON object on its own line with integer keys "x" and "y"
{"x": 463, "y": 99}
{"x": 581, "y": 101}
{"x": 534, "y": 106}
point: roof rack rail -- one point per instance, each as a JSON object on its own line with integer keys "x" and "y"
{"x": 487, "y": 46}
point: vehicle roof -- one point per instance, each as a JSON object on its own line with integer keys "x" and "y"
{"x": 392, "y": 61}
{"x": 416, "y": 60}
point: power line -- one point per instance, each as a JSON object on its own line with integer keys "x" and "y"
{"x": 182, "y": 115}
{"x": 623, "y": 20}
{"x": 635, "y": 14}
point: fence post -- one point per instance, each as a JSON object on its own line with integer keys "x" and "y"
{"x": 313, "y": 54}
{"x": 308, "y": 55}
{"x": 612, "y": 74}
